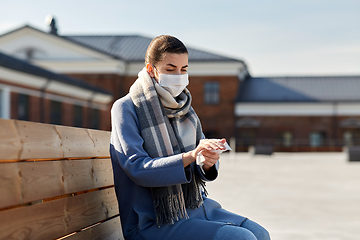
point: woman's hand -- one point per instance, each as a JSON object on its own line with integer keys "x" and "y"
{"x": 206, "y": 146}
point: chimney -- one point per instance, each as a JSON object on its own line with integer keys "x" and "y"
{"x": 50, "y": 20}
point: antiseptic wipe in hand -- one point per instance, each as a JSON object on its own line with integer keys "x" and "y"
{"x": 200, "y": 158}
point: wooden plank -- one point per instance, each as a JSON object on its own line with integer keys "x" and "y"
{"x": 25, "y": 182}
{"x": 80, "y": 175}
{"x": 109, "y": 230}
{"x": 54, "y": 219}
{"x": 21, "y": 140}
{"x": 101, "y": 140}
{"x": 10, "y": 185}
{"x": 39, "y": 141}
{"x": 10, "y": 145}
{"x": 76, "y": 142}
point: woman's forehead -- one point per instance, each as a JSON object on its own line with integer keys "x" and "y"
{"x": 175, "y": 59}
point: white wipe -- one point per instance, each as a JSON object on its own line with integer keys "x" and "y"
{"x": 200, "y": 158}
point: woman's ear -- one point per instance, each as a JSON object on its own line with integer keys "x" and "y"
{"x": 150, "y": 70}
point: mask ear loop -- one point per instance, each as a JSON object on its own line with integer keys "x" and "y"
{"x": 155, "y": 69}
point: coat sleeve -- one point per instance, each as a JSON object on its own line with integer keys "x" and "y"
{"x": 210, "y": 175}
{"x": 126, "y": 149}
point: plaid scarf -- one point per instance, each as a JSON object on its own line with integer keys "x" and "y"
{"x": 168, "y": 126}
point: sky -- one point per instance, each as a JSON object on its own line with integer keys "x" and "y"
{"x": 273, "y": 38}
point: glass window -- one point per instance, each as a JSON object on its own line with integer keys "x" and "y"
{"x": 78, "y": 116}
{"x": 23, "y": 107}
{"x": 248, "y": 136}
{"x": 95, "y": 119}
{"x": 287, "y": 139}
{"x": 212, "y": 93}
{"x": 55, "y": 117}
{"x": 316, "y": 139}
{"x": 348, "y": 138}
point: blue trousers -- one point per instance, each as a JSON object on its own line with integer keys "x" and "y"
{"x": 248, "y": 230}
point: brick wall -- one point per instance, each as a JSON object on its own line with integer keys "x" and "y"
{"x": 217, "y": 120}
{"x": 271, "y": 129}
{"x": 40, "y": 111}
{"x": 111, "y": 82}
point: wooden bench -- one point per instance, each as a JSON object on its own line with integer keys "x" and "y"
{"x": 56, "y": 182}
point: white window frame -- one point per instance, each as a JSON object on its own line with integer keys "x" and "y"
{"x": 212, "y": 93}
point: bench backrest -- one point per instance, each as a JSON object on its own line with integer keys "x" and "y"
{"x": 56, "y": 182}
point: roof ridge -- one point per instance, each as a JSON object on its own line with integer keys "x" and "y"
{"x": 132, "y": 54}
{"x": 100, "y": 35}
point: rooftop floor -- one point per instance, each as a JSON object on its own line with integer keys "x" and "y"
{"x": 297, "y": 196}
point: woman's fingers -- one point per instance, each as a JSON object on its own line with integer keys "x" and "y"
{"x": 210, "y": 157}
{"x": 212, "y": 144}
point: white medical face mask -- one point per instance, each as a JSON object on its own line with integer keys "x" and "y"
{"x": 174, "y": 84}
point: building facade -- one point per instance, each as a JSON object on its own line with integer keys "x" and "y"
{"x": 286, "y": 113}
{"x": 299, "y": 113}
{"x": 31, "y": 93}
{"x": 112, "y": 62}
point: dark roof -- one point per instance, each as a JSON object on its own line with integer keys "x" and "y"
{"x": 127, "y": 47}
{"x": 300, "y": 89}
{"x": 25, "y": 67}
{"x": 133, "y": 48}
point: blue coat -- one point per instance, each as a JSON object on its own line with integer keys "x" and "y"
{"x": 134, "y": 175}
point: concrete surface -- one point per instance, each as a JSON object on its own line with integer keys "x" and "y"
{"x": 295, "y": 196}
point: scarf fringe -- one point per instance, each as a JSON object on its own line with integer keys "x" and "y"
{"x": 170, "y": 209}
{"x": 192, "y": 192}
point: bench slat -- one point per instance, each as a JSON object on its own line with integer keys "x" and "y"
{"x": 39, "y": 141}
{"x": 24, "y": 182}
{"x": 109, "y": 230}
{"x": 58, "y": 218}
{"x": 76, "y": 142}
{"x": 10, "y": 145}
{"x": 101, "y": 140}
{"x": 10, "y": 185}
{"x": 22, "y": 140}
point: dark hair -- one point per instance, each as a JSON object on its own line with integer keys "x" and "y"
{"x": 161, "y": 45}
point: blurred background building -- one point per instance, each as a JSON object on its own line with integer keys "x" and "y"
{"x": 74, "y": 79}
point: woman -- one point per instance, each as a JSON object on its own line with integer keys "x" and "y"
{"x": 155, "y": 141}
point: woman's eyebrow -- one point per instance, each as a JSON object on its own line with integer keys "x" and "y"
{"x": 172, "y": 65}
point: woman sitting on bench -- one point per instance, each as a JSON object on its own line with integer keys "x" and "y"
{"x": 155, "y": 140}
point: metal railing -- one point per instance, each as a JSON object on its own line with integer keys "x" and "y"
{"x": 297, "y": 144}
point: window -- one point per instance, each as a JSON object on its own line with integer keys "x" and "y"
{"x": 55, "y": 117}
{"x": 95, "y": 121}
{"x": 316, "y": 139}
{"x": 248, "y": 136}
{"x": 212, "y": 93}
{"x": 78, "y": 116}
{"x": 287, "y": 138}
{"x": 23, "y": 107}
